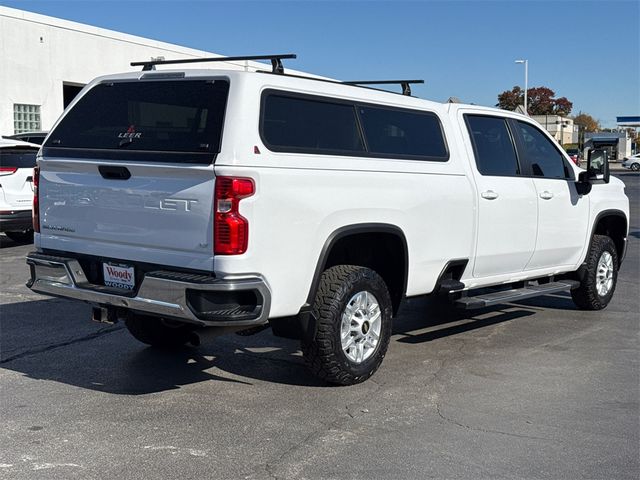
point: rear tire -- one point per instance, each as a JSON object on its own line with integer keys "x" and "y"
{"x": 21, "y": 237}
{"x": 635, "y": 167}
{"x": 599, "y": 282}
{"x": 353, "y": 325}
{"x": 158, "y": 332}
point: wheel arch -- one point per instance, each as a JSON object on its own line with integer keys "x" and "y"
{"x": 614, "y": 224}
{"x": 379, "y": 237}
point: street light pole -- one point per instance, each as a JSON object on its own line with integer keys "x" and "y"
{"x": 526, "y": 82}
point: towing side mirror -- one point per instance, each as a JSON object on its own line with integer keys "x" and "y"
{"x": 597, "y": 170}
{"x": 598, "y": 165}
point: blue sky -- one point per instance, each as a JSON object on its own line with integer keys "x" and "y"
{"x": 461, "y": 48}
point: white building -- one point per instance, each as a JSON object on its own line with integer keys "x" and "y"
{"x": 45, "y": 62}
{"x": 561, "y": 128}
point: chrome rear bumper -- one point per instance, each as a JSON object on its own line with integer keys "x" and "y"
{"x": 161, "y": 293}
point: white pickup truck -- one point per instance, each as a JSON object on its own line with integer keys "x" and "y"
{"x": 184, "y": 200}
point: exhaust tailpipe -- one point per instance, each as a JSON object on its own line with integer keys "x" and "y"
{"x": 104, "y": 315}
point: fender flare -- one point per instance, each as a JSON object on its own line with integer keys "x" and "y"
{"x": 349, "y": 230}
{"x": 600, "y": 216}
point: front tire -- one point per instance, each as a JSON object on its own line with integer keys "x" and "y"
{"x": 353, "y": 325}
{"x": 635, "y": 167}
{"x": 599, "y": 282}
{"x": 158, "y": 332}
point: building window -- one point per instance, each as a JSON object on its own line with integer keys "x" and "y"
{"x": 26, "y": 118}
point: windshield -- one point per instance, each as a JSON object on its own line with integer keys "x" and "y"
{"x": 145, "y": 116}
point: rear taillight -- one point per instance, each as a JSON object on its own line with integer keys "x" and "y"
{"x": 231, "y": 230}
{"x": 35, "y": 216}
{"x": 8, "y": 170}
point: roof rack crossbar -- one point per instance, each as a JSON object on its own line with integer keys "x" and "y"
{"x": 406, "y": 89}
{"x": 276, "y": 61}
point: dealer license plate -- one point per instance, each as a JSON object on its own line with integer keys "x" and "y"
{"x": 119, "y": 276}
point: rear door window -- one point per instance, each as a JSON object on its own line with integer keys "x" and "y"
{"x": 492, "y": 145}
{"x": 176, "y": 120}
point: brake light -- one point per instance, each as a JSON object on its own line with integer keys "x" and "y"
{"x": 231, "y": 230}
{"x": 35, "y": 212}
{"x": 8, "y": 170}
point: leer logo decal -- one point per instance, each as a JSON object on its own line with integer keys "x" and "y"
{"x": 130, "y": 133}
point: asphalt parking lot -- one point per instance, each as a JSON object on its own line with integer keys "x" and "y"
{"x": 530, "y": 390}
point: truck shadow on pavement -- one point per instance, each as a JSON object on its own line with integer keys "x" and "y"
{"x": 6, "y": 242}
{"x": 54, "y": 340}
{"x": 443, "y": 320}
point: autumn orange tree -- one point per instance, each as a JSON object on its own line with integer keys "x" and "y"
{"x": 587, "y": 122}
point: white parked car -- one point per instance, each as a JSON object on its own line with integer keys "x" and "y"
{"x": 632, "y": 162}
{"x": 17, "y": 161}
{"x": 181, "y": 200}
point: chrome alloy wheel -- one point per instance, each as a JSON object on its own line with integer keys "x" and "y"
{"x": 360, "y": 327}
{"x": 604, "y": 274}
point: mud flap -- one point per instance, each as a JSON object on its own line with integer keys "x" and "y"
{"x": 297, "y": 327}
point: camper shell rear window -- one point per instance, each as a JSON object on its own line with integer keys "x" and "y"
{"x": 156, "y": 120}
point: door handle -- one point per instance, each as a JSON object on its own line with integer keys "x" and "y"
{"x": 489, "y": 195}
{"x": 546, "y": 195}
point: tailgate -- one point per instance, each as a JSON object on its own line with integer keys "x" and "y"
{"x": 160, "y": 214}
{"x": 127, "y": 174}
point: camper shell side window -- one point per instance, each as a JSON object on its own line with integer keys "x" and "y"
{"x": 301, "y": 123}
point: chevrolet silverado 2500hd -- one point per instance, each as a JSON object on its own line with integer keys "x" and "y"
{"x": 180, "y": 200}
